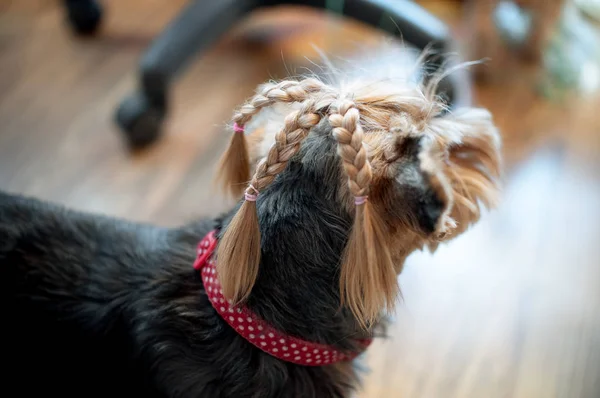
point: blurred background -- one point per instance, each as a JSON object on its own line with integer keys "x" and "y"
{"x": 510, "y": 309}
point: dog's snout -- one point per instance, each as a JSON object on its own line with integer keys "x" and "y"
{"x": 431, "y": 210}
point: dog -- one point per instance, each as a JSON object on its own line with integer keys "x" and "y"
{"x": 279, "y": 297}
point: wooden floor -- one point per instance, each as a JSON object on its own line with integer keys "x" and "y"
{"x": 511, "y": 309}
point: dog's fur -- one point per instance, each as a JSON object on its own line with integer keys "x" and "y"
{"x": 94, "y": 306}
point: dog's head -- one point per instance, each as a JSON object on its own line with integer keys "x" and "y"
{"x": 411, "y": 175}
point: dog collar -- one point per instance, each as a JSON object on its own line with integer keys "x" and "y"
{"x": 254, "y": 329}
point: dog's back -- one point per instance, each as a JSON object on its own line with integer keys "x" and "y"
{"x": 98, "y": 307}
{"x": 64, "y": 281}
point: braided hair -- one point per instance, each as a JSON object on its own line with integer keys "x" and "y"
{"x": 367, "y": 264}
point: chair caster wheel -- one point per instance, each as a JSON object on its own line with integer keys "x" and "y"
{"x": 140, "y": 120}
{"x": 84, "y": 16}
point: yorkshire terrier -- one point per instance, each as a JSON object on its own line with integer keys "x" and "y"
{"x": 340, "y": 182}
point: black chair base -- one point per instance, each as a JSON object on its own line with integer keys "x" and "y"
{"x": 203, "y": 22}
{"x": 140, "y": 120}
{"x": 84, "y": 16}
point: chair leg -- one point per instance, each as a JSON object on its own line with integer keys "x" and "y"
{"x": 197, "y": 27}
{"x": 84, "y": 16}
{"x": 140, "y": 117}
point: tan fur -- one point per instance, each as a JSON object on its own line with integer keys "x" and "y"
{"x": 234, "y": 170}
{"x": 254, "y": 139}
{"x": 234, "y": 167}
{"x": 367, "y": 281}
{"x": 238, "y": 260}
{"x": 459, "y": 154}
{"x": 473, "y": 164}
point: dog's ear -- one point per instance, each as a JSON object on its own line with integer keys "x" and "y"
{"x": 471, "y": 170}
{"x": 440, "y": 177}
{"x": 473, "y": 166}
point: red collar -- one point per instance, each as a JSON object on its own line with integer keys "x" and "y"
{"x": 255, "y": 330}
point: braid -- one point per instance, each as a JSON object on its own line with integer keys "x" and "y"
{"x": 368, "y": 279}
{"x": 234, "y": 170}
{"x": 239, "y": 248}
{"x": 287, "y": 91}
{"x": 349, "y": 136}
{"x": 287, "y": 143}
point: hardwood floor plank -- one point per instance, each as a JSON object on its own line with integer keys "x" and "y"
{"x": 509, "y": 310}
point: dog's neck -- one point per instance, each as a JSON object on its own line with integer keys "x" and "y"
{"x": 303, "y": 234}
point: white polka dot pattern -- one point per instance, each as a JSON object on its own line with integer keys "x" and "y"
{"x": 254, "y": 329}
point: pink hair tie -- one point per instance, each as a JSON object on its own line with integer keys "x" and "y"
{"x": 251, "y": 197}
{"x": 360, "y": 200}
{"x": 237, "y": 128}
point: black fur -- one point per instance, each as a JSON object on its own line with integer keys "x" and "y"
{"x": 99, "y": 307}
{"x": 420, "y": 205}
